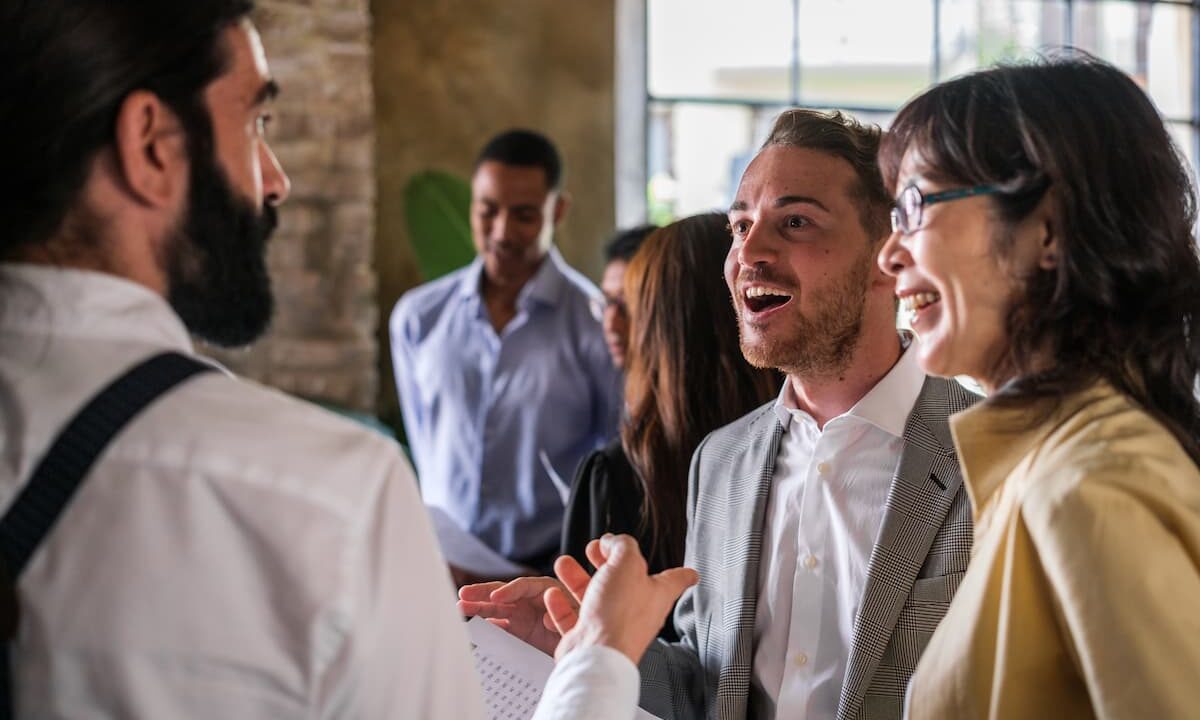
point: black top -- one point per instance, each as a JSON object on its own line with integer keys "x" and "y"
{"x": 606, "y": 496}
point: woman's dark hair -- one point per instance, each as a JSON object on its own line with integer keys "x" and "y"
{"x": 685, "y": 374}
{"x": 1123, "y": 303}
{"x": 624, "y": 244}
{"x": 65, "y": 68}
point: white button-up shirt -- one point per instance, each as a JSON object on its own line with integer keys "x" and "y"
{"x": 826, "y": 507}
{"x": 234, "y": 553}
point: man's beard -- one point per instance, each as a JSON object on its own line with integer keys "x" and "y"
{"x": 821, "y": 343}
{"x": 216, "y": 260}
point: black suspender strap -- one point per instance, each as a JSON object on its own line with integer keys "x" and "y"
{"x": 61, "y": 471}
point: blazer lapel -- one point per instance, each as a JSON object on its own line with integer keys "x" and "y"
{"x": 752, "y": 475}
{"x": 923, "y": 489}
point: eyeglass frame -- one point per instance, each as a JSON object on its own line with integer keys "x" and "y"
{"x": 932, "y": 199}
{"x": 600, "y": 305}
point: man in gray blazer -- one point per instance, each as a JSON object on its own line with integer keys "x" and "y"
{"x": 830, "y": 527}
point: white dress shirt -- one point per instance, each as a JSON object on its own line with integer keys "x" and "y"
{"x": 826, "y": 506}
{"x": 234, "y": 553}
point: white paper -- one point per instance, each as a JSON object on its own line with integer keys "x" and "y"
{"x": 564, "y": 490}
{"x": 512, "y": 673}
{"x": 467, "y": 552}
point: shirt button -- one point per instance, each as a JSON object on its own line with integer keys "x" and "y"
{"x": 810, "y": 561}
{"x": 823, "y": 468}
{"x": 801, "y": 660}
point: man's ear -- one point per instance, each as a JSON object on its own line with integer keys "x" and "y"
{"x": 151, "y": 150}
{"x": 561, "y": 203}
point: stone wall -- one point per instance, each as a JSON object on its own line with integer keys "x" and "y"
{"x": 322, "y": 343}
{"x": 449, "y": 74}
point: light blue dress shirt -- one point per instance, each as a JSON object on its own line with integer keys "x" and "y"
{"x": 481, "y": 408}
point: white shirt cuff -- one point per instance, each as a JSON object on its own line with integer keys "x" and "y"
{"x": 592, "y": 682}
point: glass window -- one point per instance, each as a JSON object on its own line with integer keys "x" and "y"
{"x": 718, "y": 72}
{"x": 846, "y": 62}
{"x": 719, "y": 49}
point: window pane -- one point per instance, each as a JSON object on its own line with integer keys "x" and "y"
{"x": 1153, "y": 43}
{"x": 978, "y": 33}
{"x": 845, "y": 60}
{"x": 697, "y": 154}
{"x": 718, "y": 49}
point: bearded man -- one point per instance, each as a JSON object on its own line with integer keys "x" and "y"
{"x": 830, "y": 527}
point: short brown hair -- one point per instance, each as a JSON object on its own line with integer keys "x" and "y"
{"x": 840, "y": 135}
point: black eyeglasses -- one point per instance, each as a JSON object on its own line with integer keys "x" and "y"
{"x": 906, "y": 213}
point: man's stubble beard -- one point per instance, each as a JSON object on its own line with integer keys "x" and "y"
{"x": 216, "y": 260}
{"x": 821, "y": 344}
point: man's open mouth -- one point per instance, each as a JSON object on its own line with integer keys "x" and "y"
{"x": 759, "y": 299}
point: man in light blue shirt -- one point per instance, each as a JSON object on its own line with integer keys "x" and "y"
{"x": 501, "y": 367}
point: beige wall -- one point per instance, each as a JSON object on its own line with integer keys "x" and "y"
{"x": 449, "y": 74}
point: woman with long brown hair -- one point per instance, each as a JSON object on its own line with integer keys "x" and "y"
{"x": 685, "y": 377}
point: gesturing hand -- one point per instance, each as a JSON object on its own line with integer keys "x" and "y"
{"x": 515, "y": 606}
{"x": 623, "y": 606}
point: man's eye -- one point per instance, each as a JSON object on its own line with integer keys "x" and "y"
{"x": 797, "y": 221}
{"x": 739, "y": 227}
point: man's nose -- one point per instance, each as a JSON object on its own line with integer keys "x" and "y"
{"x": 756, "y": 247}
{"x": 276, "y": 185}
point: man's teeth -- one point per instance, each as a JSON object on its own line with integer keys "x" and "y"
{"x": 754, "y": 292}
{"x": 916, "y": 301}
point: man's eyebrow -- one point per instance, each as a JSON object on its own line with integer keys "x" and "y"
{"x": 794, "y": 199}
{"x": 781, "y": 202}
{"x": 268, "y": 91}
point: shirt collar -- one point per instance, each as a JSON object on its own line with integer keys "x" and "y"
{"x": 886, "y": 406}
{"x": 87, "y": 303}
{"x": 546, "y": 285}
{"x": 992, "y": 439}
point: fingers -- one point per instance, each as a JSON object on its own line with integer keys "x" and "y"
{"x": 479, "y": 591}
{"x": 595, "y": 554}
{"x": 573, "y": 576}
{"x": 674, "y": 581}
{"x": 561, "y": 610}
{"x": 485, "y": 609}
{"x": 522, "y": 589}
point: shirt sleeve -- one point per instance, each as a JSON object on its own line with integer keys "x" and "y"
{"x": 1121, "y": 556}
{"x": 591, "y": 683}
{"x": 404, "y": 649}
{"x": 403, "y": 367}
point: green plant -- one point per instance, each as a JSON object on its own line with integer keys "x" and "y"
{"x": 436, "y": 207}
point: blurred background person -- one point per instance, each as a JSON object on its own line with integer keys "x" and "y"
{"x": 503, "y": 376}
{"x": 611, "y": 307}
{"x": 1062, "y": 274}
{"x": 684, "y": 377}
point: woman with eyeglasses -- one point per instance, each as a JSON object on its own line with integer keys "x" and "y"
{"x": 1043, "y": 245}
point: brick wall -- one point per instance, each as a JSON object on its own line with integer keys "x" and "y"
{"x": 322, "y": 343}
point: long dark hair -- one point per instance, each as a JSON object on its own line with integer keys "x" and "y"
{"x": 65, "y": 68}
{"x": 685, "y": 374}
{"x": 1123, "y": 303}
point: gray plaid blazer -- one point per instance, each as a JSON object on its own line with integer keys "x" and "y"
{"x": 917, "y": 563}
